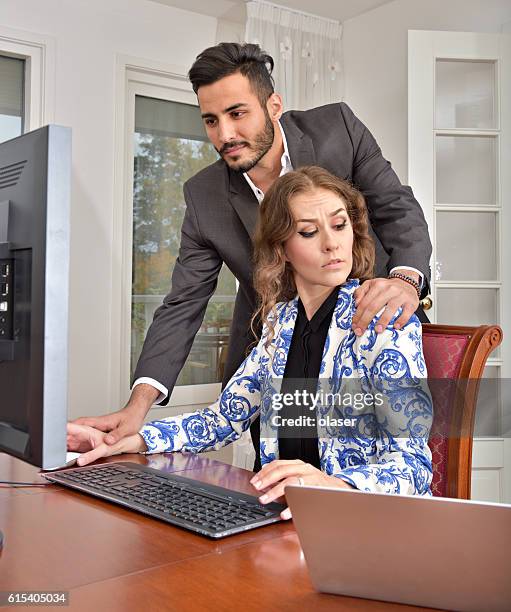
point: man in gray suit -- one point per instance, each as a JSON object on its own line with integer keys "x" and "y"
{"x": 257, "y": 143}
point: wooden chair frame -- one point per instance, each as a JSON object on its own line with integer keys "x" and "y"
{"x": 482, "y": 341}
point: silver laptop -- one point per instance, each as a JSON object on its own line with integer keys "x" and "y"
{"x": 425, "y": 551}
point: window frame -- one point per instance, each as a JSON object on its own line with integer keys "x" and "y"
{"x": 154, "y": 80}
{"x": 39, "y": 85}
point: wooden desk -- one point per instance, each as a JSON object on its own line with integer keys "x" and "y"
{"x": 112, "y": 559}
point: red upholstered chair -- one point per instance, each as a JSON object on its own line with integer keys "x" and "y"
{"x": 458, "y": 354}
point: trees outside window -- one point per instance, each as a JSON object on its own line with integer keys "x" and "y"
{"x": 170, "y": 147}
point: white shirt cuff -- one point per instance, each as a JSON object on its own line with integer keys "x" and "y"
{"x": 421, "y": 276}
{"x": 164, "y": 392}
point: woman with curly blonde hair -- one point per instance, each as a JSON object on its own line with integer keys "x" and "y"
{"x": 274, "y": 279}
{"x": 336, "y": 409}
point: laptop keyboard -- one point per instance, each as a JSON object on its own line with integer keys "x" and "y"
{"x": 204, "y": 508}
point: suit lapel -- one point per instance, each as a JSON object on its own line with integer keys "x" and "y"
{"x": 278, "y": 353}
{"x": 243, "y": 201}
{"x": 284, "y": 330}
{"x": 338, "y": 332}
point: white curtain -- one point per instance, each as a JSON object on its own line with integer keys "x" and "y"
{"x": 307, "y": 52}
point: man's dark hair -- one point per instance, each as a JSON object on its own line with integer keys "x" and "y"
{"x": 226, "y": 58}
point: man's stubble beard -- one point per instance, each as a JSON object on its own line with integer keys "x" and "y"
{"x": 261, "y": 145}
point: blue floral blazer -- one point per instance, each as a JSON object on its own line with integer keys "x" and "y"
{"x": 383, "y": 450}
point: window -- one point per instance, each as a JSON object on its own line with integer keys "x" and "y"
{"x": 12, "y": 117}
{"x": 170, "y": 146}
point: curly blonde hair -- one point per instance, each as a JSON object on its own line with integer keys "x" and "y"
{"x": 273, "y": 277}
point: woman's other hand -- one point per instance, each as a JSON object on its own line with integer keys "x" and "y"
{"x": 275, "y": 476}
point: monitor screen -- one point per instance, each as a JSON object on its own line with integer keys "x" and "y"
{"x": 35, "y": 178}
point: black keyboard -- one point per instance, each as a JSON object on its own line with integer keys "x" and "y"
{"x": 206, "y": 509}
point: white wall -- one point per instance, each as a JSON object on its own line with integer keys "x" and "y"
{"x": 88, "y": 35}
{"x": 376, "y": 60}
{"x": 230, "y": 31}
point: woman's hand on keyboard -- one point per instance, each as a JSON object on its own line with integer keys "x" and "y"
{"x": 90, "y": 442}
{"x": 275, "y": 476}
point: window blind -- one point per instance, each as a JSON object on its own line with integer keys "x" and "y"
{"x": 11, "y": 86}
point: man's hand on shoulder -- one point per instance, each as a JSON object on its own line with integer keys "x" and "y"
{"x": 388, "y": 293}
{"x": 125, "y": 422}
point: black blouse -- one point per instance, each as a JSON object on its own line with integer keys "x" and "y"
{"x": 301, "y": 374}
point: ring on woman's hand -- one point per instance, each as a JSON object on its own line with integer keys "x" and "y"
{"x": 300, "y": 481}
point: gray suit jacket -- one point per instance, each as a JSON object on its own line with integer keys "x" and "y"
{"x": 220, "y": 218}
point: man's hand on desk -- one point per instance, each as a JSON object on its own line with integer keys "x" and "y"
{"x": 91, "y": 443}
{"x": 388, "y": 293}
{"x": 275, "y": 476}
{"x": 125, "y": 422}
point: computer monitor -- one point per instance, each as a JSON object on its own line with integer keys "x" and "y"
{"x": 35, "y": 179}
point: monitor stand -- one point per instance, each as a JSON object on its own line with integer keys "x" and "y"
{"x": 70, "y": 460}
